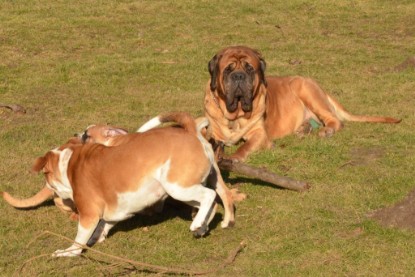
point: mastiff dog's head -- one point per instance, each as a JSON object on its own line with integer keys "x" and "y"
{"x": 237, "y": 73}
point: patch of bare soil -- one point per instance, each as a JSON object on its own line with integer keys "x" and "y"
{"x": 400, "y": 215}
{"x": 14, "y": 107}
{"x": 408, "y": 63}
{"x": 364, "y": 156}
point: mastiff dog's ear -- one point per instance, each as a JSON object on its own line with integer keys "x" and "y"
{"x": 263, "y": 66}
{"x": 213, "y": 68}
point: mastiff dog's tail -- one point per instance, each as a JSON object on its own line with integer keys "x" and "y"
{"x": 344, "y": 115}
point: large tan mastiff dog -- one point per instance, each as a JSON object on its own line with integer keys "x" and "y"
{"x": 244, "y": 105}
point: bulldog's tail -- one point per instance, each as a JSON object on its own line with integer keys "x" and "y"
{"x": 344, "y": 115}
{"x": 183, "y": 119}
{"x": 186, "y": 121}
{"x": 40, "y": 197}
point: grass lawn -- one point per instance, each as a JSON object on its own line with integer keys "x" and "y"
{"x": 76, "y": 63}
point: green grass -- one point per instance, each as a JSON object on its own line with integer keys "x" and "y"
{"x": 71, "y": 64}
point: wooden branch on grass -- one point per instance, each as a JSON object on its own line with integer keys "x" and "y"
{"x": 263, "y": 175}
{"x": 14, "y": 107}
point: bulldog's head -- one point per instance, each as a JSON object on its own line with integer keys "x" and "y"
{"x": 51, "y": 164}
{"x": 102, "y": 134}
{"x": 237, "y": 73}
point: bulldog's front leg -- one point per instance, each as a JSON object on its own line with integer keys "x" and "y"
{"x": 101, "y": 232}
{"x": 86, "y": 227}
{"x": 218, "y": 149}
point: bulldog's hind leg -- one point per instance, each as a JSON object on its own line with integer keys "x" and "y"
{"x": 86, "y": 228}
{"x": 197, "y": 196}
{"x": 215, "y": 180}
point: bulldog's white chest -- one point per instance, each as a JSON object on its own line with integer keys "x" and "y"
{"x": 63, "y": 190}
{"x": 132, "y": 202}
{"x": 62, "y": 187}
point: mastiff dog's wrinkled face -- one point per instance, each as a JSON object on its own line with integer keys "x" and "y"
{"x": 236, "y": 74}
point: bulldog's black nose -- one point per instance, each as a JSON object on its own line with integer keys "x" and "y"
{"x": 238, "y": 76}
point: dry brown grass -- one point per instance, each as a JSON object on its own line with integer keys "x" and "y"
{"x": 121, "y": 62}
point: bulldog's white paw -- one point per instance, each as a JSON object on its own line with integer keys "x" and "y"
{"x": 70, "y": 252}
{"x": 102, "y": 237}
{"x": 228, "y": 224}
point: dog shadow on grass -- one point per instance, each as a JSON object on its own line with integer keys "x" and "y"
{"x": 172, "y": 209}
{"x": 176, "y": 209}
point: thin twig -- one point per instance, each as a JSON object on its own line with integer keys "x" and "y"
{"x": 351, "y": 162}
{"x": 100, "y": 266}
{"x": 155, "y": 268}
{"x": 19, "y": 270}
{"x": 35, "y": 239}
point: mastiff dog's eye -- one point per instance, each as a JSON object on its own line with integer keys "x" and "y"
{"x": 229, "y": 68}
{"x": 249, "y": 68}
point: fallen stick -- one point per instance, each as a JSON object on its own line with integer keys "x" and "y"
{"x": 263, "y": 175}
{"x": 14, "y": 107}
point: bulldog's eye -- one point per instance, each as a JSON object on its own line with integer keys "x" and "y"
{"x": 85, "y": 137}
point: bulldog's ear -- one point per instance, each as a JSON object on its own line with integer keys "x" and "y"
{"x": 39, "y": 164}
{"x": 213, "y": 68}
{"x": 263, "y": 66}
{"x": 113, "y": 132}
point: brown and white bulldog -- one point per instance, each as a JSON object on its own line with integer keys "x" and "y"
{"x": 112, "y": 136}
{"x": 110, "y": 184}
{"x": 242, "y": 104}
